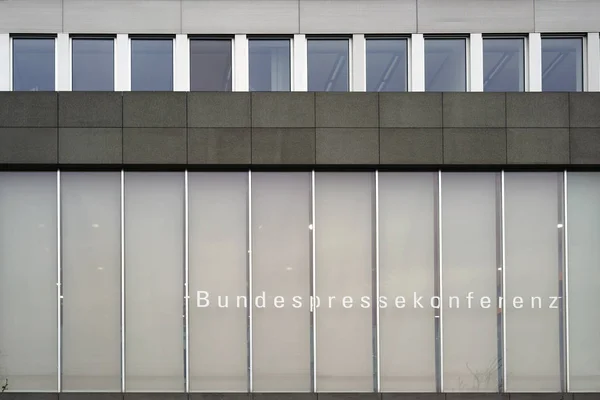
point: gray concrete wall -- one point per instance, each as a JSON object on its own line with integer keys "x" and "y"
{"x": 298, "y": 16}
{"x": 303, "y": 129}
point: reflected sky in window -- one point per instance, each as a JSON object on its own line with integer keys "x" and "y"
{"x": 386, "y": 65}
{"x": 445, "y": 65}
{"x": 328, "y": 65}
{"x": 33, "y": 64}
{"x": 503, "y": 65}
{"x": 562, "y": 64}
{"x": 93, "y": 64}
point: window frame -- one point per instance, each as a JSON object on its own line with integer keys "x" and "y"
{"x": 467, "y": 41}
{"x": 348, "y": 38}
{"x": 290, "y": 39}
{"x": 525, "y": 56}
{"x": 73, "y": 37}
{"x": 407, "y": 40}
{"x": 229, "y": 38}
{"x": 584, "y": 56}
{"x": 132, "y": 37}
{"x": 11, "y": 58}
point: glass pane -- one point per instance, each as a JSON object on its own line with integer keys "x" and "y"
{"x": 269, "y": 65}
{"x": 503, "y": 65}
{"x": 584, "y": 280}
{"x": 344, "y": 259}
{"x": 152, "y": 64}
{"x": 328, "y": 62}
{"x": 210, "y": 65}
{"x": 28, "y": 277}
{"x": 406, "y": 270}
{"x": 445, "y": 65}
{"x": 386, "y": 65}
{"x": 91, "y": 275}
{"x": 281, "y": 242}
{"x": 532, "y": 272}
{"x": 33, "y": 64}
{"x": 154, "y": 277}
{"x": 562, "y": 64}
{"x": 469, "y": 262}
{"x": 218, "y": 237}
{"x": 93, "y": 64}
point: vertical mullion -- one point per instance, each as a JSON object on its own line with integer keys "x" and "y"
{"x": 313, "y": 289}
{"x": 59, "y": 282}
{"x": 561, "y": 280}
{"x": 566, "y": 281}
{"x": 249, "y": 284}
{"x": 439, "y": 356}
{"x": 186, "y": 284}
{"x": 503, "y": 211}
{"x": 500, "y": 278}
{"x": 376, "y": 286}
{"x": 122, "y": 281}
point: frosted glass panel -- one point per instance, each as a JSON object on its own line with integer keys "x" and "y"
{"x": 154, "y": 277}
{"x": 344, "y": 260}
{"x": 532, "y": 270}
{"x": 28, "y": 277}
{"x": 281, "y": 242}
{"x": 218, "y": 215}
{"x": 584, "y": 280}
{"x": 91, "y": 262}
{"x": 469, "y": 265}
{"x": 406, "y": 269}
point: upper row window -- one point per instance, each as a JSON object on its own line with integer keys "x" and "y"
{"x": 270, "y": 64}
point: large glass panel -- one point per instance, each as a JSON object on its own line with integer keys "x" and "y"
{"x": 152, "y": 64}
{"x": 532, "y": 282}
{"x": 154, "y": 278}
{"x": 387, "y": 65}
{"x": 91, "y": 271}
{"x": 33, "y": 64}
{"x": 269, "y": 65}
{"x": 503, "y": 65}
{"x": 93, "y": 64}
{"x": 28, "y": 278}
{"x": 218, "y": 253}
{"x": 344, "y": 259}
{"x": 210, "y": 65}
{"x": 584, "y": 280}
{"x": 469, "y": 286}
{"x": 328, "y": 62}
{"x": 406, "y": 271}
{"x": 445, "y": 65}
{"x": 562, "y": 64}
{"x": 281, "y": 253}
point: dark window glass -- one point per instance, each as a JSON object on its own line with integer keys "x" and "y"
{"x": 269, "y": 62}
{"x": 445, "y": 65}
{"x": 93, "y": 64}
{"x": 503, "y": 65}
{"x": 562, "y": 64}
{"x": 328, "y": 65}
{"x": 210, "y": 65}
{"x": 386, "y": 65}
{"x": 152, "y": 64}
{"x": 33, "y": 64}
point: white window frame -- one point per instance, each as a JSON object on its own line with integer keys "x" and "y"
{"x": 525, "y": 40}
{"x": 99, "y": 37}
{"x": 11, "y": 58}
{"x": 133, "y": 37}
{"x": 407, "y": 39}
{"x": 584, "y": 57}
{"x": 593, "y": 62}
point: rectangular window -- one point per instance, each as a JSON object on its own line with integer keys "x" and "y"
{"x": 504, "y": 64}
{"x": 93, "y": 64}
{"x": 151, "y": 64}
{"x": 328, "y": 65}
{"x": 210, "y": 65}
{"x": 445, "y": 65}
{"x": 33, "y": 65}
{"x": 269, "y": 63}
{"x": 562, "y": 64}
{"x": 387, "y": 65}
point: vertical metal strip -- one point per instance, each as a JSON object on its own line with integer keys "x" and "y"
{"x": 313, "y": 287}
{"x": 561, "y": 281}
{"x": 439, "y": 380}
{"x": 441, "y": 283}
{"x": 499, "y": 281}
{"x": 59, "y": 295}
{"x": 186, "y": 284}
{"x": 503, "y": 202}
{"x": 122, "y": 281}
{"x": 376, "y": 291}
{"x": 249, "y": 284}
{"x": 566, "y": 281}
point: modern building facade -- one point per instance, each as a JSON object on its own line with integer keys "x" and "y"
{"x": 300, "y": 199}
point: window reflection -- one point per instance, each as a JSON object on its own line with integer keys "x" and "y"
{"x": 562, "y": 64}
{"x": 210, "y": 65}
{"x": 328, "y": 65}
{"x": 93, "y": 64}
{"x": 269, "y": 65}
{"x": 386, "y": 65}
{"x": 152, "y": 64}
{"x": 503, "y": 65}
{"x": 33, "y": 64}
{"x": 445, "y": 65}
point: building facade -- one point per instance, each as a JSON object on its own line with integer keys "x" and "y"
{"x": 300, "y": 199}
